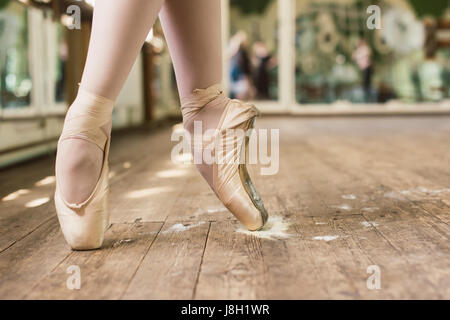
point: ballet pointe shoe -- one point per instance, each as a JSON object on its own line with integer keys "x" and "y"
{"x": 229, "y": 177}
{"x": 84, "y": 224}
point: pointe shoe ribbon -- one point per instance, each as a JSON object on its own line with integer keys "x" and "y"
{"x": 231, "y": 181}
{"x": 84, "y": 224}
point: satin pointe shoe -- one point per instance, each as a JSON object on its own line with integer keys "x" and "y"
{"x": 84, "y": 224}
{"x": 228, "y": 176}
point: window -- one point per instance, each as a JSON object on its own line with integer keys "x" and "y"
{"x": 339, "y": 59}
{"x": 15, "y": 80}
{"x": 59, "y": 64}
{"x": 252, "y": 50}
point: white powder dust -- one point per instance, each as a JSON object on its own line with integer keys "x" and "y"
{"x": 121, "y": 241}
{"x": 432, "y": 192}
{"x": 343, "y": 207}
{"x": 369, "y": 224}
{"x": 179, "y": 227}
{"x": 325, "y": 238}
{"x": 275, "y": 228}
{"x": 349, "y": 197}
{"x": 419, "y": 191}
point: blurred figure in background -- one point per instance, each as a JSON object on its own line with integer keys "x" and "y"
{"x": 263, "y": 62}
{"x": 430, "y": 71}
{"x": 363, "y": 58}
{"x": 240, "y": 68}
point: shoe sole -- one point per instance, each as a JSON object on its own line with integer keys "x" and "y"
{"x": 247, "y": 182}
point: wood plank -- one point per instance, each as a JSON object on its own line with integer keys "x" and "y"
{"x": 197, "y": 202}
{"x": 23, "y": 176}
{"x": 24, "y": 264}
{"x": 15, "y": 227}
{"x": 170, "y": 269}
{"x": 148, "y": 191}
{"x": 428, "y": 233}
{"x": 439, "y": 209}
{"x": 415, "y": 241}
{"x": 338, "y": 264}
{"x": 232, "y": 267}
{"x": 400, "y": 277}
{"x": 240, "y": 266}
{"x": 22, "y": 212}
{"x": 105, "y": 273}
{"x": 147, "y": 194}
{"x": 402, "y": 185}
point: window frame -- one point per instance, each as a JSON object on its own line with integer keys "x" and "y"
{"x": 42, "y": 30}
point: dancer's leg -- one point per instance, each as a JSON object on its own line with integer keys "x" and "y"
{"x": 193, "y": 33}
{"x": 118, "y": 32}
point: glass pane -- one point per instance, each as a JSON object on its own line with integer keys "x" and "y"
{"x": 15, "y": 81}
{"x": 60, "y": 65}
{"x": 252, "y": 49}
{"x": 338, "y": 58}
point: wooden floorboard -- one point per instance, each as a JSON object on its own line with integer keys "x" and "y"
{"x": 24, "y": 264}
{"x": 350, "y": 193}
{"x": 233, "y": 266}
{"x": 106, "y": 273}
{"x": 170, "y": 269}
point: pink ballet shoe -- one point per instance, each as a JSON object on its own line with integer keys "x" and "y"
{"x": 230, "y": 179}
{"x": 83, "y": 225}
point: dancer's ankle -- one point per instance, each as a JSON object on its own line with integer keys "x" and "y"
{"x": 81, "y": 146}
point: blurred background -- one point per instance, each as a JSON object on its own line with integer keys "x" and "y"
{"x": 291, "y": 56}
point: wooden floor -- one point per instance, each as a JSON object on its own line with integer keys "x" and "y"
{"x": 350, "y": 193}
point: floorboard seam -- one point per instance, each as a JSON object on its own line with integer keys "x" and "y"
{"x": 47, "y": 274}
{"x": 140, "y": 262}
{"x": 402, "y": 254}
{"x": 428, "y": 212}
{"x": 194, "y": 292}
{"x": 26, "y": 235}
